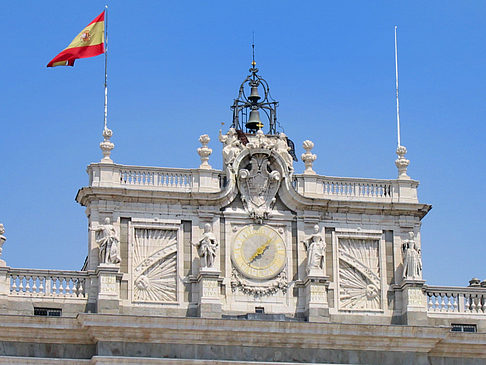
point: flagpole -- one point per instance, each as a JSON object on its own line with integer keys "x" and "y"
{"x": 106, "y": 146}
{"x": 106, "y": 65}
{"x": 396, "y": 78}
{"x": 401, "y": 162}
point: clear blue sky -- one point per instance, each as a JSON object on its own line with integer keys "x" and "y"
{"x": 174, "y": 69}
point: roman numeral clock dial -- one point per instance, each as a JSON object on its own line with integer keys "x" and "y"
{"x": 259, "y": 252}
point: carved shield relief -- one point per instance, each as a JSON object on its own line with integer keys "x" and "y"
{"x": 258, "y": 185}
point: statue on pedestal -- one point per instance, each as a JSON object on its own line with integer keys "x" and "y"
{"x": 206, "y": 247}
{"x": 412, "y": 261}
{"x": 316, "y": 251}
{"x": 108, "y": 242}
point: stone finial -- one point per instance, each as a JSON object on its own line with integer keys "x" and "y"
{"x": 204, "y": 152}
{"x": 2, "y": 241}
{"x": 106, "y": 146}
{"x": 474, "y": 282}
{"x": 402, "y": 163}
{"x": 308, "y": 157}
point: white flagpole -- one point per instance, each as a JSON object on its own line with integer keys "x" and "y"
{"x": 106, "y": 146}
{"x": 106, "y": 65}
{"x": 396, "y": 78}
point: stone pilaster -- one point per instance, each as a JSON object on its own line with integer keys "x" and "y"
{"x": 209, "y": 305}
{"x": 316, "y": 304}
{"x": 108, "y": 288}
{"x": 414, "y": 302}
{"x": 4, "y": 287}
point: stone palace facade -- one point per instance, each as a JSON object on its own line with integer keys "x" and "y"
{"x": 251, "y": 264}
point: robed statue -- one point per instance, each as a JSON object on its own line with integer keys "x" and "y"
{"x": 109, "y": 244}
{"x": 412, "y": 261}
{"x": 316, "y": 251}
{"x": 207, "y": 247}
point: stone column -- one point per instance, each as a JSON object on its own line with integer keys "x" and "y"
{"x": 108, "y": 300}
{"x": 414, "y": 302}
{"x": 315, "y": 291}
{"x": 208, "y": 282}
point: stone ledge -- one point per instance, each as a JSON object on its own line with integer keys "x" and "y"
{"x": 258, "y": 335}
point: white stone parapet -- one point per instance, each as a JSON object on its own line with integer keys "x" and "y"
{"x": 154, "y": 178}
{"x": 357, "y": 189}
{"x": 210, "y": 180}
{"x": 461, "y": 300}
{"x": 47, "y": 283}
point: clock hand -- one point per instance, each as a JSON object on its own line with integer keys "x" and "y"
{"x": 260, "y": 250}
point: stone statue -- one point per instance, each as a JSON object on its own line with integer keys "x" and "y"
{"x": 2, "y": 238}
{"x": 232, "y": 146}
{"x": 316, "y": 251}
{"x": 108, "y": 242}
{"x": 282, "y": 148}
{"x": 207, "y": 246}
{"x": 412, "y": 261}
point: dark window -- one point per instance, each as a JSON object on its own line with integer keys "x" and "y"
{"x": 48, "y": 312}
{"x": 259, "y": 310}
{"x": 463, "y": 328}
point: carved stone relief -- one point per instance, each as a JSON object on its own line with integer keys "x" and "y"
{"x": 154, "y": 265}
{"x": 258, "y": 186}
{"x": 259, "y": 289}
{"x": 359, "y": 274}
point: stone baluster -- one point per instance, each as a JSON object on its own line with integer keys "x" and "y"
{"x": 42, "y": 285}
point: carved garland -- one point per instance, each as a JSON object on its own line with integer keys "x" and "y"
{"x": 247, "y": 287}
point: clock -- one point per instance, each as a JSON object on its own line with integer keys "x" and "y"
{"x": 258, "y": 252}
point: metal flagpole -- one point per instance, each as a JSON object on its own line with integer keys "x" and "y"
{"x": 396, "y": 77}
{"x": 106, "y": 64}
{"x": 106, "y": 146}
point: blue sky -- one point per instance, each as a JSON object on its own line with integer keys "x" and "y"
{"x": 174, "y": 69}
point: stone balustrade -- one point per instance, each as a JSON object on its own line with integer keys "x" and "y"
{"x": 357, "y": 189}
{"x": 154, "y": 178}
{"x": 209, "y": 180}
{"x": 161, "y": 178}
{"x": 461, "y": 300}
{"x": 47, "y": 283}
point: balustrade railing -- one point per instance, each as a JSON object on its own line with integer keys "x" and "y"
{"x": 169, "y": 178}
{"x": 351, "y": 188}
{"x": 456, "y": 300}
{"x": 155, "y": 178}
{"x": 347, "y": 188}
{"x": 48, "y": 283}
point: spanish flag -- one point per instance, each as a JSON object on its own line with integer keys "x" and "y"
{"x": 89, "y": 43}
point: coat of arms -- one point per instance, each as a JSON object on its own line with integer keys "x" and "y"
{"x": 258, "y": 186}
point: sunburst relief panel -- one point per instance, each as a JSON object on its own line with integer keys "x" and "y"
{"x": 359, "y": 274}
{"x": 154, "y": 265}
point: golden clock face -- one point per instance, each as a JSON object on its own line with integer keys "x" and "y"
{"x": 259, "y": 252}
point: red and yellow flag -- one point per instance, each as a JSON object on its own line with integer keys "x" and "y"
{"x": 89, "y": 43}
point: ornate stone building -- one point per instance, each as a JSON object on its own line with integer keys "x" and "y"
{"x": 250, "y": 264}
